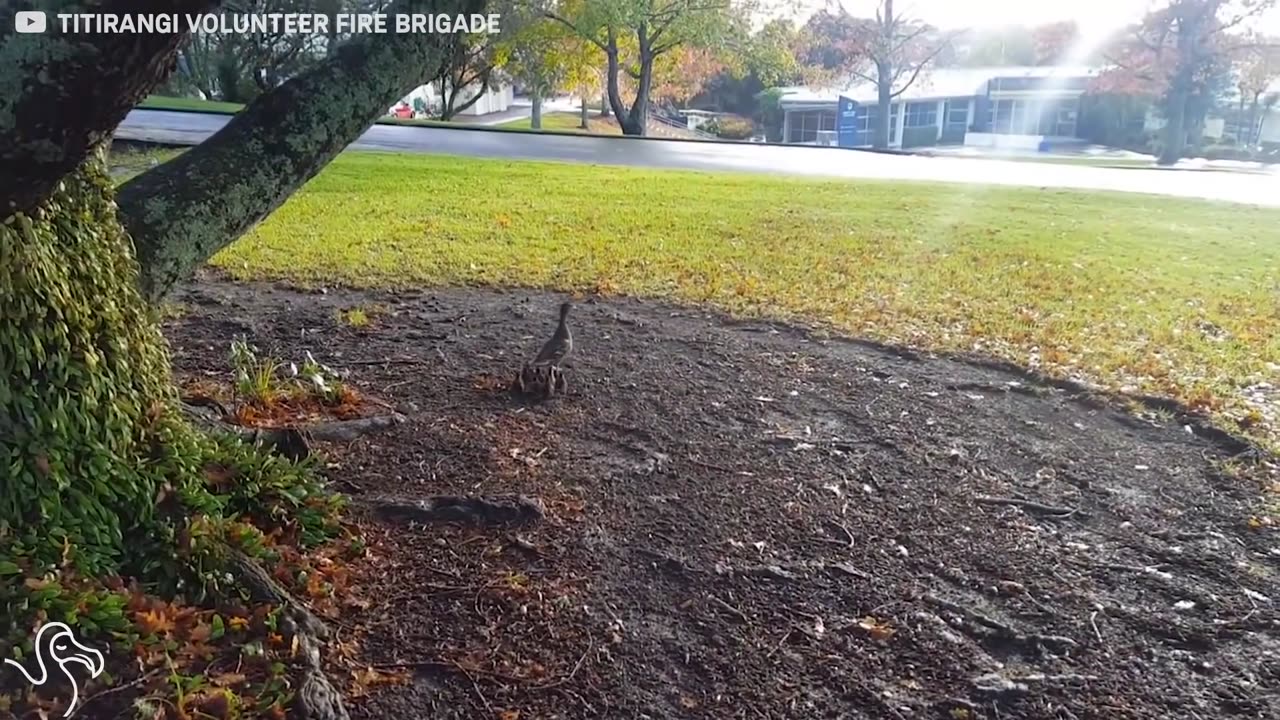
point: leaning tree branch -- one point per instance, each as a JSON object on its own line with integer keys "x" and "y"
{"x": 182, "y": 212}
{"x": 62, "y": 95}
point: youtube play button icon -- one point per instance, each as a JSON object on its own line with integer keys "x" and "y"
{"x": 30, "y": 21}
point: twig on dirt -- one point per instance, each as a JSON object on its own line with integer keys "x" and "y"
{"x": 731, "y": 610}
{"x": 983, "y": 625}
{"x": 848, "y": 535}
{"x": 1053, "y": 510}
{"x": 667, "y": 560}
{"x": 591, "y": 643}
{"x": 474, "y": 686}
{"x": 785, "y": 636}
{"x": 140, "y": 680}
{"x": 1093, "y": 620}
{"x": 502, "y": 510}
{"x": 524, "y": 545}
{"x": 776, "y": 572}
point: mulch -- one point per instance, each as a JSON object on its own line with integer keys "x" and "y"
{"x": 746, "y": 520}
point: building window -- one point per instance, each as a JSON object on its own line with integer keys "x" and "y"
{"x": 1034, "y": 117}
{"x": 806, "y": 125}
{"x": 922, "y": 114}
{"x": 957, "y": 113}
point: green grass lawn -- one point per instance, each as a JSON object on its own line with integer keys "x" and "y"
{"x": 161, "y": 102}
{"x": 1141, "y": 293}
{"x": 568, "y": 121}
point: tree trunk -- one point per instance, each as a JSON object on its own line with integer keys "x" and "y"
{"x": 535, "y": 116}
{"x": 1174, "y": 137}
{"x": 620, "y": 110}
{"x": 605, "y": 110}
{"x": 884, "y": 101}
{"x": 98, "y": 467}
{"x": 41, "y": 139}
{"x": 638, "y": 118}
{"x": 269, "y": 150}
{"x": 85, "y": 396}
{"x": 585, "y": 121}
{"x": 1249, "y": 137}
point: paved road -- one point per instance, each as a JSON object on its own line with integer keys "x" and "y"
{"x": 1260, "y": 189}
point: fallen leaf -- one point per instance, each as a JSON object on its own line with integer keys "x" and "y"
{"x": 153, "y": 622}
{"x": 509, "y": 715}
{"x": 874, "y": 628}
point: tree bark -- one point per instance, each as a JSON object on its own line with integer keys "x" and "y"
{"x": 884, "y": 101}
{"x": 585, "y": 121}
{"x": 84, "y": 382}
{"x": 612, "y": 93}
{"x": 1175, "y": 133}
{"x": 60, "y": 95}
{"x": 884, "y": 77}
{"x": 535, "y": 113}
{"x": 182, "y": 212}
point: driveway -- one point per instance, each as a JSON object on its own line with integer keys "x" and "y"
{"x": 1261, "y": 189}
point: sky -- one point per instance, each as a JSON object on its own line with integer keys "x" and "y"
{"x": 951, "y": 14}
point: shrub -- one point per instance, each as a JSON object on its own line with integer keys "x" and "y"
{"x": 730, "y": 127}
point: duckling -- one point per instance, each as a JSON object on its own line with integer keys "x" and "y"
{"x": 561, "y": 343}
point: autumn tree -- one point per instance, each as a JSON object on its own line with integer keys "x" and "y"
{"x": 547, "y": 58}
{"x": 1180, "y": 52}
{"x": 1011, "y": 45}
{"x": 100, "y": 471}
{"x": 684, "y": 73}
{"x": 1257, "y": 71}
{"x": 1053, "y": 42}
{"x": 634, "y": 35}
{"x": 890, "y": 51}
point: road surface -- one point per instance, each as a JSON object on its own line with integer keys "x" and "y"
{"x": 1254, "y": 188}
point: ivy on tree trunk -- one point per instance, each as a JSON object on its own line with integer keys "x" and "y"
{"x": 94, "y": 457}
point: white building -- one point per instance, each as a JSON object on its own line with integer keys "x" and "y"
{"x": 999, "y": 107}
{"x": 498, "y": 98}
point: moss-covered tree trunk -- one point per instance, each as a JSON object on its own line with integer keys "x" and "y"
{"x": 96, "y": 464}
{"x": 88, "y": 441}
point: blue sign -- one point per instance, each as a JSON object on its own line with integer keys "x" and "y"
{"x": 847, "y": 122}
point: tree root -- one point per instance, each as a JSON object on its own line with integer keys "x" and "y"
{"x": 264, "y": 589}
{"x": 292, "y": 443}
{"x": 505, "y": 510}
{"x": 348, "y": 430}
{"x": 980, "y": 625}
{"x": 317, "y": 698}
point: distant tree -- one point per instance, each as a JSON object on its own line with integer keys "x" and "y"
{"x": 1257, "y": 70}
{"x": 1053, "y": 41}
{"x": 891, "y": 51}
{"x": 684, "y": 72}
{"x": 1178, "y": 53}
{"x": 239, "y": 67}
{"x": 1012, "y": 45}
{"x": 635, "y": 34}
{"x": 772, "y": 54}
{"x": 546, "y": 58}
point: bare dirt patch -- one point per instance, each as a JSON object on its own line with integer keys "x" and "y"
{"x": 741, "y": 520}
